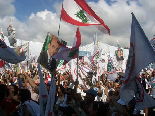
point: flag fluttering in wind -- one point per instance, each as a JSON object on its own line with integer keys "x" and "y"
{"x": 2, "y": 36}
{"x": 51, "y": 99}
{"x": 96, "y": 52}
{"x": 101, "y": 68}
{"x": 140, "y": 55}
{"x": 74, "y": 71}
{"x": 43, "y": 95}
{"x": 111, "y": 70}
{"x": 143, "y": 100}
{"x": 11, "y": 35}
{"x": 77, "y": 12}
{"x": 66, "y": 53}
{"x": 24, "y": 49}
{"x": 9, "y": 55}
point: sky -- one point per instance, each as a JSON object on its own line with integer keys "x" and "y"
{"x": 32, "y": 19}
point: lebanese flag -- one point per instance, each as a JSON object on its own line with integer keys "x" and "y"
{"x": 96, "y": 50}
{"x": 74, "y": 71}
{"x": 140, "y": 55}
{"x": 77, "y": 12}
{"x": 9, "y": 55}
{"x": 66, "y": 53}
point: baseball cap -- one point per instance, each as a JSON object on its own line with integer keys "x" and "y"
{"x": 92, "y": 91}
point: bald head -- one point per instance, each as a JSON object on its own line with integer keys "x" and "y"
{"x": 53, "y": 47}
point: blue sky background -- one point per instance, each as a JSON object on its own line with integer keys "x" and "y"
{"x": 34, "y": 18}
{"x": 24, "y": 8}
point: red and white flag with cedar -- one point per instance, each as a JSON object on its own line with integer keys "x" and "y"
{"x": 96, "y": 53}
{"x": 77, "y": 12}
{"x": 140, "y": 55}
{"x": 66, "y": 53}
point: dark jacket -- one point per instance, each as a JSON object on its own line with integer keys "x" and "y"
{"x": 43, "y": 61}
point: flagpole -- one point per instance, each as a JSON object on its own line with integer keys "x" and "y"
{"x": 77, "y": 69}
{"x": 59, "y": 23}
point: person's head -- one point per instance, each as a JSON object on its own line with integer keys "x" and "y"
{"x": 53, "y": 46}
{"x": 14, "y": 89}
{"x": 99, "y": 109}
{"x": 97, "y": 84}
{"x": 144, "y": 75}
{"x": 3, "y": 81}
{"x": 3, "y": 89}
{"x": 24, "y": 95}
{"x": 116, "y": 86}
{"x": 113, "y": 94}
{"x": 90, "y": 95}
{"x": 153, "y": 73}
{"x": 60, "y": 90}
{"x": 68, "y": 91}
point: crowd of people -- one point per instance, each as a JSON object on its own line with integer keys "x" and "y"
{"x": 19, "y": 94}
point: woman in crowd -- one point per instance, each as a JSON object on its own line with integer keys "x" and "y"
{"x": 10, "y": 102}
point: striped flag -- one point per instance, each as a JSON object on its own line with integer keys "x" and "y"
{"x": 66, "y": 53}
{"x": 77, "y": 12}
{"x": 140, "y": 55}
{"x": 74, "y": 72}
{"x": 24, "y": 49}
{"x": 9, "y": 55}
{"x": 60, "y": 63}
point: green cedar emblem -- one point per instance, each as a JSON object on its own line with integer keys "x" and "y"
{"x": 64, "y": 42}
{"x": 110, "y": 65}
{"x": 80, "y": 14}
{"x": 60, "y": 63}
{"x": 2, "y": 36}
{"x": 97, "y": 56}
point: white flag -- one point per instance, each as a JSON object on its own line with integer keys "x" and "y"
{"x": 51, "y": 99}
{"x": 74, "y": 71}
{"x": 9, "y": 55}
{"x": 140, "y": 55}
{"x": 43, "y": 95}
{"x": 66, "y": 53}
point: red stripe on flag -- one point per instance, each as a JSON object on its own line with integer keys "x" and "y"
{"x": 84, "y": 5}
{"x": 132, "y": 65}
